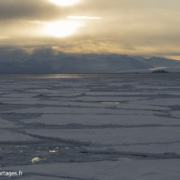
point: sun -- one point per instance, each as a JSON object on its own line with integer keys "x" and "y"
{"x": 61, "y": 28}
{"x": 64, "y": 2}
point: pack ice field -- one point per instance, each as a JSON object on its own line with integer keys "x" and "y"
{"x": 90, "y": 128}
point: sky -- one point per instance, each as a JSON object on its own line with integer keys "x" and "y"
{"x": 133, "y": 27}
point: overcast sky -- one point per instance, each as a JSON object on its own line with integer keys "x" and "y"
{"x": 133, "y": 27}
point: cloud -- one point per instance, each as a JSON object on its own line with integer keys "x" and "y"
{"x": 120, "y": 26}
{"x": 29, "y": 10}
{"x": 3, "y": 37}
{"x": 82, "y": 17}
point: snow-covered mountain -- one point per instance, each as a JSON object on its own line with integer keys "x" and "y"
{"x": 139, "y": 58}
{"x": 72, "y": 63}
{"x": 162, "y": 62}
{"x": 104, "y": 64}
{"x": 50, "y": 61}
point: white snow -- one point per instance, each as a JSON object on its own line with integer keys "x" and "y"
{"x": 8, "y": 135}
{"x": 7, "y": 124}
{"x": 91, "y": 128}
{"x": 107, "y": 170}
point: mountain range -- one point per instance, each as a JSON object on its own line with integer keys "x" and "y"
{"x": 48, "y": 62}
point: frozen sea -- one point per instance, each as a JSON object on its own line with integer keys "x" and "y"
{"x": 90, "y": 127}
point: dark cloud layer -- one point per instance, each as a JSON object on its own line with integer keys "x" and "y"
{"x": 29, "y": 10}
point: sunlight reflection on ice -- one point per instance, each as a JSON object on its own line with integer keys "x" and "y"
{"x": 110, "y": 102}
{"x": 126, "y": 159}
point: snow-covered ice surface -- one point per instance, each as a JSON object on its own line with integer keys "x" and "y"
{"x": 90, "y": 128}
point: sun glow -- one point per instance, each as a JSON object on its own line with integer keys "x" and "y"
{"x": 61, "y": 28}
{"x": 4, "y": 37}
{"x": 82, "y": 17}
{"x": 64, "y": 2}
